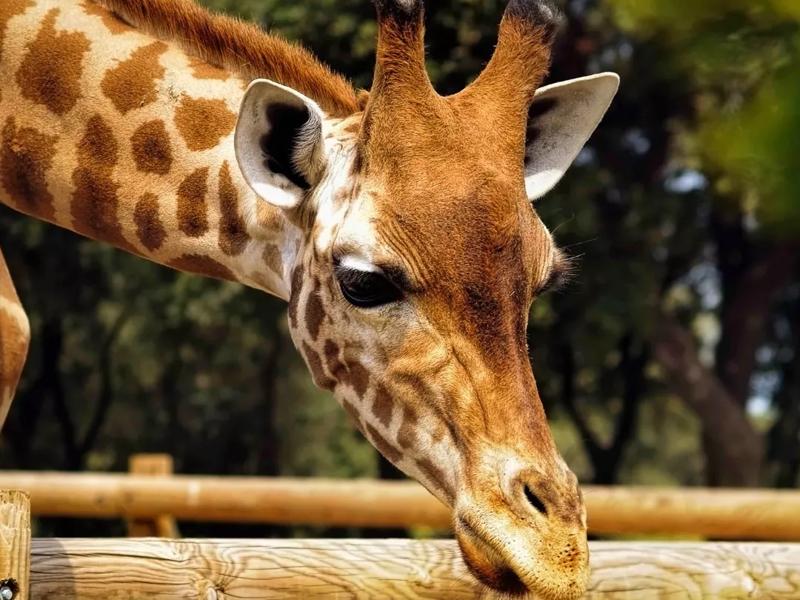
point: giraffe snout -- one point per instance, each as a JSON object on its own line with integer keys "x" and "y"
{"x": 527, "y": 536}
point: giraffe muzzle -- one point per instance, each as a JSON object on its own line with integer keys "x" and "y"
{"x": 527, "y": 537}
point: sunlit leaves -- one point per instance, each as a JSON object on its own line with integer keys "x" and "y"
{"x": 742, "y": 59}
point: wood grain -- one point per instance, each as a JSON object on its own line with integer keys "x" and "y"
{"x": 115, "y": 569}
{"x": 363, "y": 502}
{"x": 716, "y": 513}
{"x": 15, "y": 539}
{"x": 694, "y": 570}
{"x": 215, "y": 569}
{"x": 733, "y": 514}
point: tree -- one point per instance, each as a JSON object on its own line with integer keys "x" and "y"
{"x": 739, "y": 64}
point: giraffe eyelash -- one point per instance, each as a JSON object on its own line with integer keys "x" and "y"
{"x": 366, "y": 289}
{"x": 561, "y": 273}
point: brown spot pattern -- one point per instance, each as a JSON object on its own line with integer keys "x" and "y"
{"x": 358, "y": 377}
{"x": 315, "y": 366}
{"x": 407, "y": 436}
{"x": 149, "y": 228}
{"x": 382, "y": 406}
{"x": 114, "y": 24}
{"x": 202, "y": 265}
{"x": 353, "y": 373}
{"x": 315, "y": 312}
{"x": 132, "y": 83}
{"x": 331, "y": 352}
{"x": 9, "y": 9}
{"x": 233, "y": 236}
{"x": 384, "y": 447}
{"x": 203, "y": 70}
{"x": 25, "y": 157}
{"x": 94, "y": 200}
{"x": 50, "y": 72}
{"x": 151, "y": 148}
{"x": 294, "y": 294}
{"x": 192, "y": 206}
{"x": 272, "y": 258}
{"x": 203, "y": 122}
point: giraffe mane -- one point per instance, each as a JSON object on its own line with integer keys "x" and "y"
{"x": 239, "y": 47}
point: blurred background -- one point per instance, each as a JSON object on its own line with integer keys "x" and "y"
{"x": 672, "y": 358}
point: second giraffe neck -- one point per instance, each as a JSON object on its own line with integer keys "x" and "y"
{"x": 129, "y": 141}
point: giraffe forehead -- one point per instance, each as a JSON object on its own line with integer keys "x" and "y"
{"x": 442, "y": 190}
{"x": 457, "y": 237}
{"x": 444, "y": 140}
{"x": 461, "y": 241}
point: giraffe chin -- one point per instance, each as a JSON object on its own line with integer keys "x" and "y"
{"x": 487, "y": 566}
{"x": 493, "y": 564}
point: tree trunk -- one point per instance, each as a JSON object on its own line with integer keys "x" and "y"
{"x": 745, "y": 314}
{"x": 734, "y": 449}
{"x": 606, "y": 458}
{"x": 784, "y": 436}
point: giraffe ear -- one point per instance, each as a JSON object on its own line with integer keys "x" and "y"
{"x": 562, "y": 117}
{"x": 278, "y": 142}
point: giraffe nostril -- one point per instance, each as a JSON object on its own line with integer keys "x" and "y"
{"x": 534, "y": 500}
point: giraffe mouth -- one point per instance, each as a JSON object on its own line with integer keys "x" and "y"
{"x": 498, "y": 562}
{"x": 485, "y": 563}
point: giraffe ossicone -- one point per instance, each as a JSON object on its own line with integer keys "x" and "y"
{"x": 398, "y": 225}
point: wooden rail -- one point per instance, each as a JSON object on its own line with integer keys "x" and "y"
{"x": 111, "y": 569}
{"x": 720, "y": 514}
{"x": 363, "y": 502}
{"x": 114, "y": 569}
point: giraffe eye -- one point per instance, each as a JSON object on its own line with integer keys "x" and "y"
{"x": 366, "y": 289}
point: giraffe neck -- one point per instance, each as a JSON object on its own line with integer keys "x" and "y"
{"x": 127, "y": 139}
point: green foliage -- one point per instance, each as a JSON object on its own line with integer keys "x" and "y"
{"x": 743, "y": 62}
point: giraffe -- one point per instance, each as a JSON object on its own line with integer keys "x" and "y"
{"x": 397, "y": 223}
{"x": 14, "y": 338}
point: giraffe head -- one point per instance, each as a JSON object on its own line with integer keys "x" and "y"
{"x": 417, "y": 254}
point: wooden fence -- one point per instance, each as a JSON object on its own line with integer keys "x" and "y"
{"x": 141, "y": 498}
{"x": 159, "y": 569}
{"x": 109, "y": 569}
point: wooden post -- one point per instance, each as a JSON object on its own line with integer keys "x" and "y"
{"x": 156, "y": 465}
{"x": 15, "y": 543}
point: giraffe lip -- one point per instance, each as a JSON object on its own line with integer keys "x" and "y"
{"x": 485, "y": 562}
{"x": 515, "y": 562}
